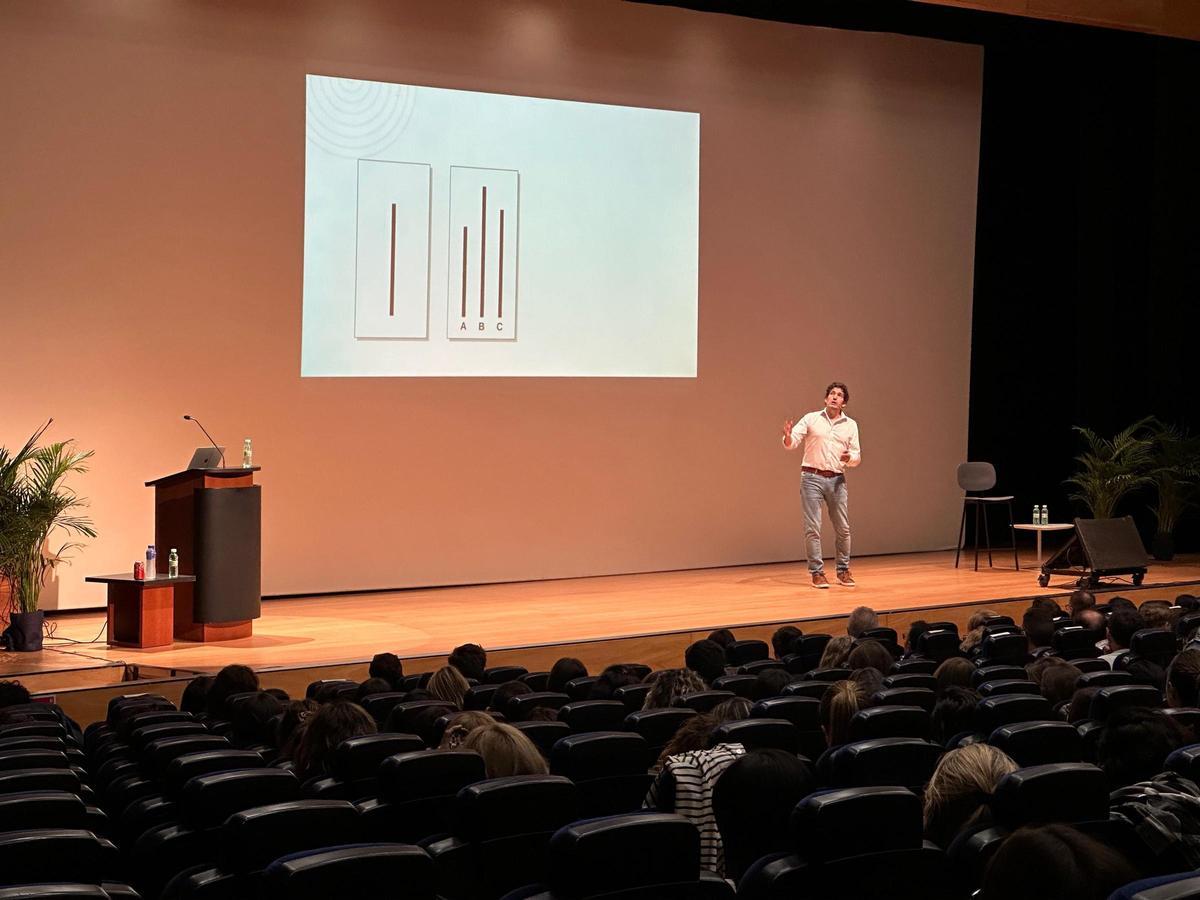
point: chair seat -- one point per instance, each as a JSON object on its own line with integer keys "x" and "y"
{"x": 987, "y": 499}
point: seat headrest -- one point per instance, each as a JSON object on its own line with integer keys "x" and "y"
{"x": 252, "y": 839}
{"x": 519, "y": 706}
{"x": 905, "y": 762}
{"x": 992, "y": 712}
{"x": 41, "y": 809}
{"x": 741, "y": 652}
{"x": 428, "y": 773}
{"x": 890, "y": 721}
{"x": 518, "y": 804}
{"x": 1004, "y": 686}
{"x": 803, "y": 712}
{"x": 1108, "y": 700}
{"x": 1039, "y": 743}
{"x": 182, "y": 769}
{"x": 373, "y": 869}
{"x": 600, "y": 754}
{"x": 601, "y": 856}
{"x": 1103, "y": 679}
{"x": 775, "y": 734}
{"x": 910, "y": 680}
{"x": 208, "y": 800}
{"x": 1056, "y": 792}
{"x": 995, "y": 673}
{"x": 360, "y": 757}
{"x": 854, "y": 821}
{"x": 906, "y": 696}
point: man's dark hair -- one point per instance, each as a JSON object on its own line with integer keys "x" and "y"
{"x": 1038, "y": 623}
{"x": 372, "y": 686}
{"x": 506, "y": 692}
{"x": 722, "y": 636}
{"x": 1187, "y": 602}
{"x": 230, "y": 680}
{"x": 1058, "y": 682}
{"x": 783, "y": 641}
{"x": 193, "y": 698}
{"x": 839, "y": 384}
{"x": 470, "y": 660}
{"x": 1122, "y": 625}
{"x": 1049, "y": 604}
{"x": 1121, "y": 603}
{"x": 1135, "y": 744}
{"x": 388, "y": 667}
{"x": 252, "y": 717}
{"x": 770, "y": 683}
{"x": 566, "y": 669}
{"x": 1080, "y": 600}
{"x": 1055, "y": 861}
{"x": 1081, "y": 704}
{"x": 614, "y": 677}
{"x": 954, "y": 713}
{"x": 1183, "y": 679}
{"x": 871, "y": 654}
{"x": 13, "y": 693}
{"x": 707, "y": 659}
{"x": 915, "y": 630}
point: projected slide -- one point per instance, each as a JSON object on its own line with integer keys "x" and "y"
{"x": 462, "y": 233}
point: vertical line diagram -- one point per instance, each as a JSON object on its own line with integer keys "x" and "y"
{"x": 482, "y": 247}
{"x": 392, "y": 268}
{"x": 500, "y": 279}
{"x": 464, "y": 274}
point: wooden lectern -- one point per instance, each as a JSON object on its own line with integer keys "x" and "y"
{"x": 213, "y": 518}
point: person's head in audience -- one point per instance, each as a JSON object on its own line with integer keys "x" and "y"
{"x": 1157, "y": 614}
{"x": 1187, "y": 602}
{"x": 296, "y": 715}
{"x": 372, "y": 686}
{"x": 722, "y": 636}
{"x": 506, "y": 692}
{"x": 954, "y": 713}
{"x": 613, "y": 677}
{"x": 192, "y": 699}
{"x": 958, "y": 794}
{"x": 836, "y": 652}
{"x": 1121, "y": 603}
{"x": 1058, "y": 683}
{"x": 279, "y": 694}
{"x": 1055, "y": 861}
{"x": 862, "y": 618}
{"x": 1049, "y": 604}
{"x": 1135, "y": 743}
{"x": 469, "y": 659}
{"x": 566, "y": 669}
{"x": 1092, "y": 619}
{"x": 505, "y": 751}
{"x": 732, "y": 710}
{"x": 670, "y": 686}
{"x": 953, "y": 672}
{"x": 979, "y": 619}
{"x": 462, "y": 724}
{"x": 1038, "y": 623}
{"x": 1037, "y": 668}
{"x": 915, "y": 630}
{"x": 870, "y": 654}
{"x": 784, "y": 640}
{"x": 838, "y": 706}
{"x": 388, "y": 667}
{"x": 449, "y": 685}
{"x": 13, "y": 693}
{"x": 692, "y": 734}
{"x": 1183, "y": 680}
{"x": 974, "y": 636}
{"x": 770, "y": 683}
{"x": 1144, "y": 670}
{"x": 1080, "y": 600}
{"x": 328, "y": 727}
{"x": 230, "y": 680}
{"x": 1081, "y": 704}
{"x": 1122, "y": 625}
{"x": 868, "y": 679}
{"x": 753, "y": 802}
{"x": 251, "y": 719}
{"x": 706, "y": 659}
{"x": 330, "y": 690}
{"x": 541, "y": 714}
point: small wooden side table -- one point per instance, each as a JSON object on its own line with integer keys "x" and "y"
{"x": 141, "y": 612}
{"x": 1064, "y": 526}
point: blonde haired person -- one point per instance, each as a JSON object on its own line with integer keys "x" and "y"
{"x": 974, "y": 636}
{"x": 837, "y": 651}
{"x": 961, "y": 787}
{"x": 448, "y": 685}
{"x": 462, "y": 725}
{"x": 838, "y": 706}
{"x": 505, "y": 751}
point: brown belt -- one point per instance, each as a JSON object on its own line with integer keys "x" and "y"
{"x": 824, "y": 473}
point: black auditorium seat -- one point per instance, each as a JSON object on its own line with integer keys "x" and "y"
{"x": 657, "y": 726}
{"x": 939, "y": 645}
{"x": 352, "y": 872}
{"x": 906, "y": 696}
{"x": 803, "y": 712}
{"x": 992, "y": 712}
{"x": 910, "y": 680}
{"x": 518, "y": 707}
{"x": 985, "y": 674}
{"x": 71, "y": 854}
{"x": 544, "y": 734}
{"x": 742, "y": 685}
{"x": 415, "y": 793}
{"x": 741, "y": 652}
{"x": 758, "y": 734}
{"x": 632, "y": 695}
{"x": 705, "y": 701}
{"x": 890, "y": 721}
{"x": 537, "y": 681}
{"x": 827, "y": 674}
{"x": 593, "y": 715}
{"x": 903, "y": 762}
{"x": 1105, "y": 678}
{"x": 1108, "y": 700}
{"x": 609, "y": 767}
{"x": 501, "y": 674}
{"x": 1003, "y": 686}
{"x": 356, "y": 763}
{"x": 581, "y": 688}
{"x": 1039, "y": 743}
{"x": 914, "y": 666}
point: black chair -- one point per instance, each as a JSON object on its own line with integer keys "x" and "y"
{"x": 501, "y": 674}
{"x": 544, "y": 734}
{"x": 71, "y": 854}
{"x": 885, "y": 636}
{"x": 581, "y": 862}
{"x": 828, "y": 674}
{"x": 638, "y": 670}
{"x": 1154, "y": 644}
{"x": 142, "y": 735}
{"x": 914, "y": 666}
{"x": 123, "y": 705}
{"x": 537, "y": 681}
{"x": 1007, "y": 648}
{"x": 632, "y": 695}
{"x": 1105, "y": 678}
{"x": 809, "y": 650}
{"x": 608, "y": 767}
{"x": 1187, "y": 717}
{"x": 335, "y": 686}
{"x": 705, "y": 701}
{"x": 1089, "y": 665}
{"x": 206, "y": 801}
{"x": 29, "y": 758}
{"x": 813, "y": 690}
{"x": 593, "y": 715}
{"x": 756, "y": 734}
{"x": 64, "y": 891}
{"x": 760, "y": 665}
{"x": 910, "y": 680}
{"x": 1186, "y": 761}
{"x": 1004, "y": 686}
{"x": 1075, "y": 642}
{"x": 54, "y": 779}
{"x": 479, "y": 696}
{"x": 939, "y": 645}
{"x": 903, "y": 762}
{"x": 922, "y": 697}
{"x": 996, "y": 673}
{"x": 42, "y": 809}
{"x": 1056, "y": 792}
{"x": 741, "y": 652}
{"x": 805, "y": 715}
{"x": 157, "y": 754}
{"x": 1108, "y": 700}
{"x": 352, "y": 872}
{"x": 657, "y": 726}
{"x": 404, "y": 716}
{"x": 1186, "y": 624}
{"x": 381, "y": 704}
{"x": 890, "y": 721}
{"x": 981, "y": 476}
{"x": 741, "y": 685}
{"x": 1185, "y": 886}
{"x": 135, "y": 717}
{"x": 992, "y": 712}
{"x": 1039, "y": 743}
{"x": 183, "y": 769}
{"x": 416, "y": 792}
{"x": 501, "y": 830}
{"x": 47, "y": 728}
{"x": 355, "y": 766}
{"x": 518, "y": 707}
{"x": 581, "y": 688}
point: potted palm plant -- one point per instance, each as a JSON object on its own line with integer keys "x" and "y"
{"x": 1109, "y": 468}
{"x": 37, "y": 507}
{"x": 1175, "y": 474}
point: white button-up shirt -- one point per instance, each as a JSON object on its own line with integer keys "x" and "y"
{"x": 825, "y": 440}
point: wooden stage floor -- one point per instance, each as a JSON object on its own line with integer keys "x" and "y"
{"x": 329, "y": 630}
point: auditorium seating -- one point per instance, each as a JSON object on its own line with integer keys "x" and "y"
{"x": 610, "y": 769}
{"x": 352, "y": 872}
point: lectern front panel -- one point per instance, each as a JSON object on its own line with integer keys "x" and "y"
{"x": 228, "y": 557}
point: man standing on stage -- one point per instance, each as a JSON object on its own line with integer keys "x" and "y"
{"x": 830, "y": 439}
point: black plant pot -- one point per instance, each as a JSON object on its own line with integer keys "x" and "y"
{"x": 1163, "y": 547}
{"x": 25, "y": 631}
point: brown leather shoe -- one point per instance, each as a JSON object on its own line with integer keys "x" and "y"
{"x": 820, "y": 581}
{"x": 845, "y": 579}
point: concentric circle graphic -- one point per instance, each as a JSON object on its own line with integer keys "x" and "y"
{"x": 356, "y": 119}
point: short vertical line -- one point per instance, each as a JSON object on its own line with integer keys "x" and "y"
{"x": 464, "y": 274}
{"x": 392, "y": 269}
{"x": 482, "y": 247}
{"x": 500, "y": 282}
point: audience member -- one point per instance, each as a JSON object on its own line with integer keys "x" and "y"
{"x": 449, "y": 685}
{"x": 1135, "y": 743}
{"x": 723, "y": 637}
{"x": 372, "y": 686}
{"x": 469, "y": 659}
{"x": 868, "y": 679}
{"x": 612, "y": 678}
{"x": 668, "y": 686}
{"x": 193, "y": 698}
{"x": 871, "y": 654}
{"x": 732, "y": 710}
{"x": 429, "y": 722}
{"x": 1081, "y": 705}
{"x": 1080, "y": 600}
{"x": 296, "y": 715}
{"x": 836, "y": 652}
{"x": 954, "y": 713}
{"x": 1122, "y": 625}
{"x": 862, "y": 618}
{"x": 915, "y": 630}
{"x": 541, "y": 714}
{"x": 1054, "y": 861}
{"x": 230, "y": 680}
{"x": 784, "y": 640}
{"x": 956, "y": 671}
{"x": 974, "y": 637}
{"x": 1121, "y": 603}
{"x": 960, "y": 790}
{"x": 251, "y": 719}
{"x": 566, "y": 669}
{"x": 707, "y": 659}
{"x": 838, "y": 706}
{"x": 1049, "y": 604}
{"x": 753, "y": 802}
{"x": 388, "y": 667}
{"x": 1037, "y": 668}
{"x": 1091, "y": 619}
{"x": 1038, "y": 624}
{"x": 505, "y": 692}
{"x": 1188, "y": 603}
{"x": 13, "y": 693}
{"x": 1058, "y": 683}
{"x": 462, "y": 724}
{"x": 770, "y": 683}
{"x": 1183, "y": 680}
{"x": 279, "y": 694}
{"x": 328, "y": 727}
{"x": 505, "y": 751}
{"x": 1157, "y": 614}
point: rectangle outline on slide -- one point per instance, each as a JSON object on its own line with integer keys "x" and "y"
{"x": 516, "y": 253}
{"x": 428, "y": 245}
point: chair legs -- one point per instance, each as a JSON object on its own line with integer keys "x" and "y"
{"x": 1013, "y": 531}
{"x": 962, "y": 527}
{"x": 978, "y": 506}
{"x": 981, "y": 526}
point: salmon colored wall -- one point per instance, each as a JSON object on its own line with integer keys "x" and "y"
{"x": 151, "y": 199}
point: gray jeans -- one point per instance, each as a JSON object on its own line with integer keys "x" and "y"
{"x": 815, "y": 490}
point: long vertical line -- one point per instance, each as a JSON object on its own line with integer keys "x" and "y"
{"x": 500, "y": 281}
{"x": 464, "y": 274}
{"x": 392, "y": 269}
{"x": 482, "y": 247}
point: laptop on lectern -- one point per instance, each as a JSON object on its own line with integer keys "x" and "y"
{"x": 206, "y": 458}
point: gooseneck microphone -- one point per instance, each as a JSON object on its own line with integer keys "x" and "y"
{"x": 209, "y": 436}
